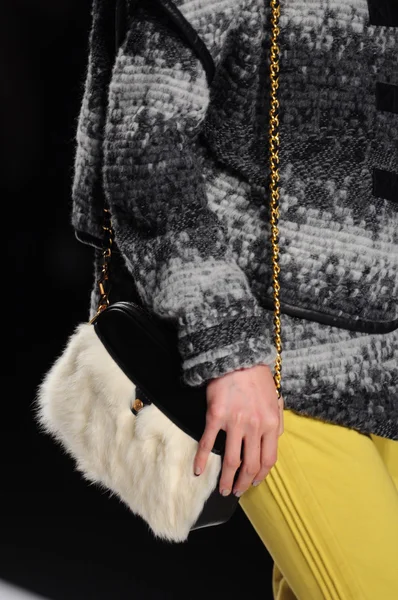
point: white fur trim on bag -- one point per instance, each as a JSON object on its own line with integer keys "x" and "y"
{"x": 146, "y": 460}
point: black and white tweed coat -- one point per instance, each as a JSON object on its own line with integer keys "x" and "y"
{"x": 183, "y": 165}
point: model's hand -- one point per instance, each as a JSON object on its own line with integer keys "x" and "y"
{"x": 245, "y": 405}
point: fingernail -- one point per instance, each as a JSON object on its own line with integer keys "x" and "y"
{"x": 256, "y": 483}
{"x": 226, "y": 492}
{"x": 198, "y": 470}
{"x": 238, "y": 493}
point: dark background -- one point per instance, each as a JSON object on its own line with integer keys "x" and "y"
{"x": 61, "y": 537}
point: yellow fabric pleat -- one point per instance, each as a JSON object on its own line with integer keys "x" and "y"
{"x": 328, "y": 513}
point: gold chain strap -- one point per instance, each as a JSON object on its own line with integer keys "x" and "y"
{"x": 274, "y": 181}
{"x": 103, "y": 282}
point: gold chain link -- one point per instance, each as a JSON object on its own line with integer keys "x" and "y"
{"x": 274, "y": 181}
{"x": 103, "y": 282}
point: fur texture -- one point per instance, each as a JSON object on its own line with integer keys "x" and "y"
{"x": 146, "y": 460}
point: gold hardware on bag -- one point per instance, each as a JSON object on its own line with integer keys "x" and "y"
{"x": 138, "y": 404}
{"x": 274, "y": 180}
{"x": 274, "y": 141}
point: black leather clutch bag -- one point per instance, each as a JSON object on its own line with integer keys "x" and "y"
{"x": 145, "y": 349}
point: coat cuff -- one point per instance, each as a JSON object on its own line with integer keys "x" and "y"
{"x": 234, "y": 343}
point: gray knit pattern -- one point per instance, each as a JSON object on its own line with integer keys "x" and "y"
{"x": 184, "y": 169}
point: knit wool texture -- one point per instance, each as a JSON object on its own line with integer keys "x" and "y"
{"x": 184, "y": 169}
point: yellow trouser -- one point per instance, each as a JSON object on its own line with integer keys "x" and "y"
{"x": 327, "y": 513}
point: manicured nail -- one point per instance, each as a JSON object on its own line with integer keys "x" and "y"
{"x": 226, "y": 492}
{"x": 198, "y": 470}
{"x": 238, "y": 493}
{"x": 256, "y": 482}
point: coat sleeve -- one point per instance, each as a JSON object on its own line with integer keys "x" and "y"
{"x": 173, "y": 243}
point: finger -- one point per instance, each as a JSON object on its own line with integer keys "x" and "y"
{"x": 281, "y": 416}
{"x": 231, "y": 460}
{"x": 269, "y": 455}
{"x": 251, "y": 463}
{"x": 205, "y": 446}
